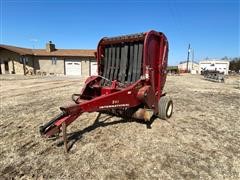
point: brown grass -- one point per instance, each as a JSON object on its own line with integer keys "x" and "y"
{"x": 201, "y": 140}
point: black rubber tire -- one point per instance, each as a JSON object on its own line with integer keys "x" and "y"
{"x": 164, "y": 105}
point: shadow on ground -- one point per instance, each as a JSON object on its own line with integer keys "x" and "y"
{"x": 101, "y": 122}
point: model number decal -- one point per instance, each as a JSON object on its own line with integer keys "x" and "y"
{"x": 113, "y": 106}
{"x": 115, "y": 101}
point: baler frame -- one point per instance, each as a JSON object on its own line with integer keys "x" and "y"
{"x": 131, "y": 76}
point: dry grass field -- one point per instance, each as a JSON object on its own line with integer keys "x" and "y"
{"x": 200, "y": 141}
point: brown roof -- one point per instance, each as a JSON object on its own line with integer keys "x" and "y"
{"x": 19, "y": 50}
{"x": 43, "y": 52}
{"x": 64, "y": 52}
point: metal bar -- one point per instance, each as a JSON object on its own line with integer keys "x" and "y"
{"x": 121, "y": 65}
{"x": 140, "y": 56}
{"x": 117, "y": 63}
{"x": 135, "y": 62}
{"x": 130, "y": 64}
{"x": 105, "y": 64}
{"x": 109, "y": 63}
{"x": 112, "y": 68}
{"x": 124, "y": 60}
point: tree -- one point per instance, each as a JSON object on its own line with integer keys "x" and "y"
{"x": 225, "y": 58}
{"x": 235, "y": 64}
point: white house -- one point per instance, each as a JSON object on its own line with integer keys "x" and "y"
{"x": 218, "y": 65}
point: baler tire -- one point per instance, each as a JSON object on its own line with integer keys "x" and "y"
{"x": 165, "y": 107}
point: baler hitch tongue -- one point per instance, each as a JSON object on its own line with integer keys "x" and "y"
{"x": 46, "y": 127}
{"x": 130, "y": 82}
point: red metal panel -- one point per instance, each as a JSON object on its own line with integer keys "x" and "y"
{"x": 155, "y": 58}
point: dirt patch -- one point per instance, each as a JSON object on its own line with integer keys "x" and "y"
{"x": 201, "y": 140}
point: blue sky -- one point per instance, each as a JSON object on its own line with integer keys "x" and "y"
{"x": 211, "y": 26}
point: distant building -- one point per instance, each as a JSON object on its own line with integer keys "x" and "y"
{"x": 172, "y": 70}
{"x": 214, "y": 64}
{"x": 192, "y": 66}
{"x": 48, "y": 61}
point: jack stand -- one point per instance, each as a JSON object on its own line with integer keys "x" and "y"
{"x": 64, "y": 129}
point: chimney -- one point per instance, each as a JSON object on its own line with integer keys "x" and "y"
{"x": 50, "y": 46}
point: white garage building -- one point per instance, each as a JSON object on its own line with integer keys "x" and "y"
{"x": 78, "y": 67}
{"x": 190, "y": 66}
{"x": 219, "y": 65}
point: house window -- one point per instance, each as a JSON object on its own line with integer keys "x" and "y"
{"x": 54, "y": 60}
{"x": 24, "y": 60}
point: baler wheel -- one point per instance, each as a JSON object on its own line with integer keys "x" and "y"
{"x": 165, "y": 107}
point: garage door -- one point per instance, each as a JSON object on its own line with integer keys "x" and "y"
{"x": 93, "y": 70}
{"x": 73, "y": 67}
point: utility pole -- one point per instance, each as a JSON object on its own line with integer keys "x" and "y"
{"x": 192, "y": 57}
{"x": 188, "y": 55}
